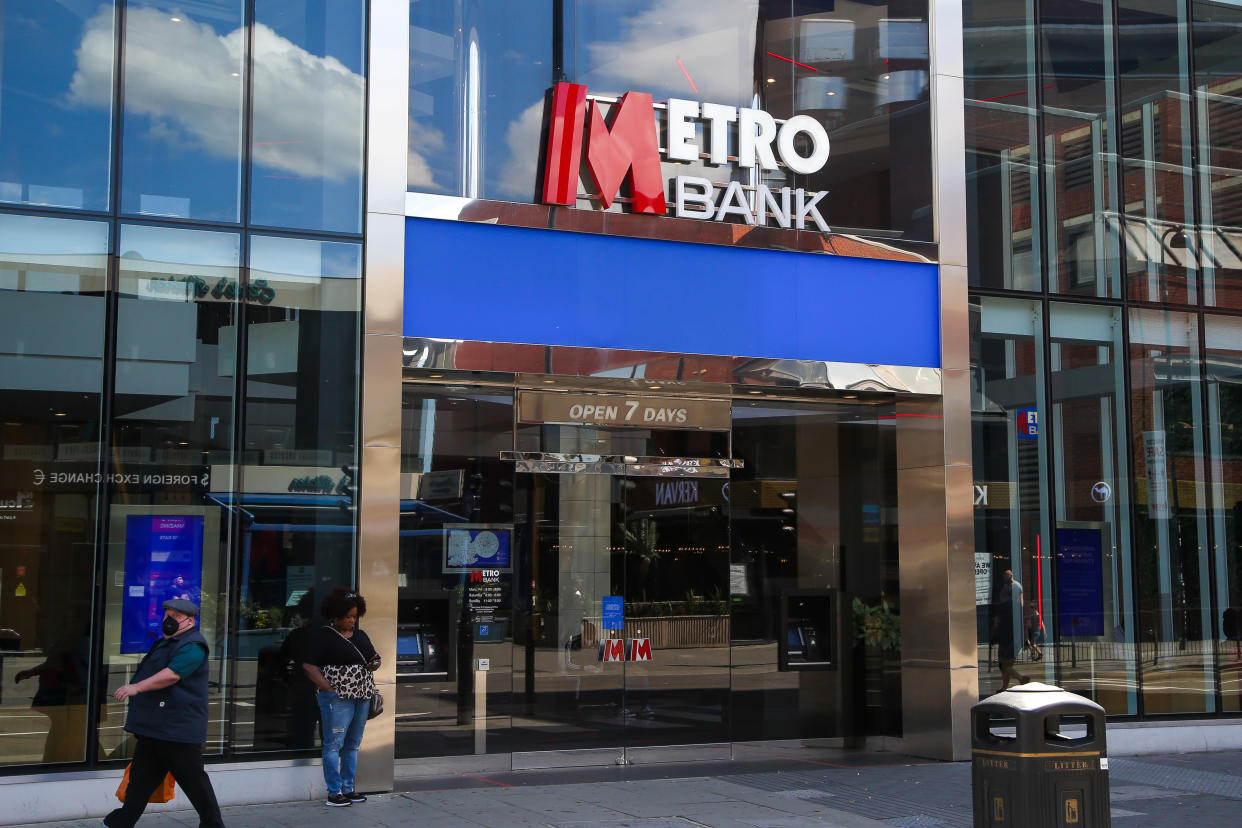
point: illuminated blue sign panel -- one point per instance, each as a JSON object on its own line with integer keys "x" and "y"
{"x": 1080, "y": 581}
{"x": 512, "y": 284}
{"x": 163, "y": 560}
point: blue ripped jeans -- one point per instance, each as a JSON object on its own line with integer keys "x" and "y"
{"x": 343, "y": 723}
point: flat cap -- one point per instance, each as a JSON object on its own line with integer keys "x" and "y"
{"x": 181, "y": 605}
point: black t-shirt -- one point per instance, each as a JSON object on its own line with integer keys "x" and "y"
{"x": 328, "y": 647}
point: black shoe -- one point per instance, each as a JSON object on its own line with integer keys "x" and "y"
{"x": 354, "y": 797}
{"x": 337, "y": 800}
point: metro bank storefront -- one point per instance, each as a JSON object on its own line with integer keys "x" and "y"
{"x": 624, "y": 355}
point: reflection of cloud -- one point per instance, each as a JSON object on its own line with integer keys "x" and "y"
{"x": 644, "y": 55}
{"x": 520, "y": 172}
{"x": 186, "y": 77}
{"x": 417, "y": 170}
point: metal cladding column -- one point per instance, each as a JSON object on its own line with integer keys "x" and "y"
{"x": 379, "y": 478}
{"x": 936, "y": 534}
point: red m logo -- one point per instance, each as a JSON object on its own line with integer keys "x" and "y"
{"x": 627, "y": 149}
{"x": 612, "y": 649}
{"x": 640, "y": 649}
{"x": 476, "y": 577}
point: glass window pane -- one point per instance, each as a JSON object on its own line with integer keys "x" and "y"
{"x": 1218, "y": 69}
{"x": 1001, "y": 144}
{"x": 181, "y": 152}
{"x": 1224, "y": 377}
{"x": 807, "y": 468}
{"x": 299, "y": 475}
{"x": 1079, "y": 143}
{"x": 52, "y": 280}
{"x": 172, "y": 451}
{"x": 309, "y": 105}
{"x": 1011, "y": 513}
{"x": 451, "y": 473}
{"x": 1087, "y": 612}
{"x": 1156, "y": 150}
{"x": 1170, "y": 531}
{"x": 56, "y": 92}
{"x": 479, "y": 74}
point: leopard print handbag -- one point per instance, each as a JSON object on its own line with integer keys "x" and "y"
{"x": 351, "y": 681}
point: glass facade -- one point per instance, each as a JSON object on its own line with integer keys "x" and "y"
{"x": 149, "y": 237}
{"x": 480, "y": 73}
{"x": 1099, "y": 168}
{"x": 736, "y": 582}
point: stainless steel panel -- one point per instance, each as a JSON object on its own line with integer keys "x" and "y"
{"x": 920, "y": 433}
{"x": 381, "y": 390}
{"x": 719, "y": 752}
{"x": 949, "y": 170}
{"x": 937, "y": 652}
{"x": 946, "y": 37}
{"x": 384, "y": 285}
{"x": 378, "y": 516}
{"x": 568, "y": 758}
{"x": 388, "y": 91}
{"x": 954, "y": 317}
{"x": 711, "y": 373}
{"x": 632, "y": 225}
{"x": 957, "y": 433}
{"x": 960, "y": 549}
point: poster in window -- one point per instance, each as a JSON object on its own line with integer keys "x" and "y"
{"x": 1080, "y": 581}
{"x": 163, "y": 560}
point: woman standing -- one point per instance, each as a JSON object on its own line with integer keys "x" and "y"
{"x": 339, "y": 661}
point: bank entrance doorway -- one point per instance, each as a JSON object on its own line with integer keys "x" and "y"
{"x": 590, "y": 575}
{"x": 627, "y": 542}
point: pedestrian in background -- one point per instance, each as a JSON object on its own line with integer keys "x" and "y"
{"x": 339, "y": 661}
{"x": 168, "y": 717}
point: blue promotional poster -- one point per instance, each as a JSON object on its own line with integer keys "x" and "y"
{"x": 163, "y": 560}
{"x": 1080, "y": 581}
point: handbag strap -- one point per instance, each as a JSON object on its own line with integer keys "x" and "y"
{"x": 349, "y": 642}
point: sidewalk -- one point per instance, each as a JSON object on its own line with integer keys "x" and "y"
{"x": 847, "y": 790}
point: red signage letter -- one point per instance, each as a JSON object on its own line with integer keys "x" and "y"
{"x": 612, "y": 649}
{"x": 628, "y": 147}
{"x": 640, "y": 649}
{"x": 564, "y": 150}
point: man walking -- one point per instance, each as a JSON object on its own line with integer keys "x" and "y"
{"x": 168, "y": 717}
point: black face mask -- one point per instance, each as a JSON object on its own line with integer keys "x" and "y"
{"x": 170, "y": 626}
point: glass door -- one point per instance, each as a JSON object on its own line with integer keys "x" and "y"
{"x": 672, "y": 531}
{"x": 626, "y": 646}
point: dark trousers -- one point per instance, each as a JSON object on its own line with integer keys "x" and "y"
{"x": 153, "y": 758}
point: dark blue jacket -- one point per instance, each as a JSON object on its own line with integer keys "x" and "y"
{"x": 177, "y": 713}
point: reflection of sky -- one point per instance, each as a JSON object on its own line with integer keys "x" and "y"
{"x": 304, "y": 257}
{"x": 59, "y": 145}
{"x": 176, "y": 246}
{"x": 32, "y": 236}
{"x": 183, "y": 95}
{"x": 637, "y": 44}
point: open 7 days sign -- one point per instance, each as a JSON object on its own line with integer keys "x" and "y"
{"x": 628, "y": 148}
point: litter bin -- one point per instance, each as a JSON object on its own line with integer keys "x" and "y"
{"x": 1039, "y": 760}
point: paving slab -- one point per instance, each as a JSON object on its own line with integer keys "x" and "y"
{"x": 843, "y": 790}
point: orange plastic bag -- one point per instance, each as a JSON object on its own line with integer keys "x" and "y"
{"x": 163, "y": 793}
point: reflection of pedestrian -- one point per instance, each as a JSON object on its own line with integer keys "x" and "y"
{"x": 1034, "y": 633}
{"x": 339, "y": 660}
{"x": 299, "y": 691}
{"x": 1007, "y": 629}
{"x": 61, "y": 696}
{"x": 168, "y": 717}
